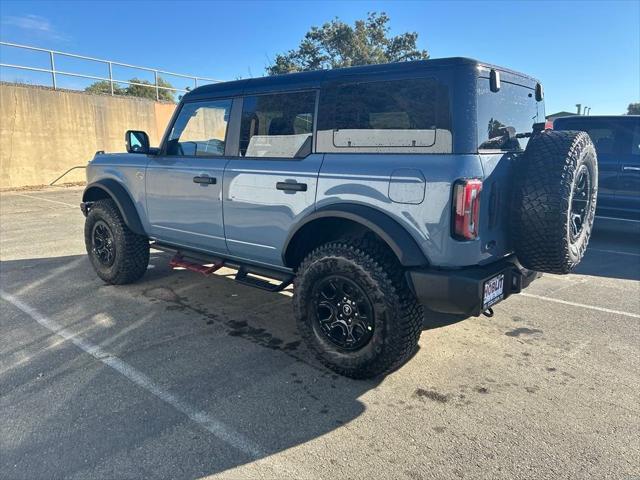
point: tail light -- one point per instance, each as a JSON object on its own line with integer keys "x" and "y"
{"x": 548, "y": 125}
{"x": 466, "y": 204}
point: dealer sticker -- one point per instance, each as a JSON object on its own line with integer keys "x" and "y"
{"x": 493, "y": 291}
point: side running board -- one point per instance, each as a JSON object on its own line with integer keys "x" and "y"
{"x": 245, "y": 275}
{"x": 178, "y": 261}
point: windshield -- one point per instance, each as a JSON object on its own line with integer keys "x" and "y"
{"x": 512, "y": 107}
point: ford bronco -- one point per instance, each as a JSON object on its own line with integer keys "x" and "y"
{"x": 379, "y": 191}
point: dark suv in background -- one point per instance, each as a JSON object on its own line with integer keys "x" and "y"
{"x": 617, "y": 142}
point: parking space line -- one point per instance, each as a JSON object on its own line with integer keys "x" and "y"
{"x": 47, "y": 200}
{"x": 582, "y": 305}
{"x": 613, "y": 251}
{"x": 206, "y": 421}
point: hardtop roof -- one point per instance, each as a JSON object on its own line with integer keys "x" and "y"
{"x": 315, "y": 78}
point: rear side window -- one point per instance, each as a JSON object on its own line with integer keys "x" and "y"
{"x": 279, "y": 125}
{"x": 604, "y": 139}
{"x": 409, "y": 115}
{"x": 609, "y": 136}
{"x": 200, "y": 129}
{"x": 513, "y": 106}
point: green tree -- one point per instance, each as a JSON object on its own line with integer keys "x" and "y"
{"x": 150, "y": 91}
{"x": 336, "y": 44}
{"x": 633, "y": 109}
{"x": 104, "y": 86}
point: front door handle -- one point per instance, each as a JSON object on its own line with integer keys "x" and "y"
{"x": 630, "y": 169}
{"x": 291, "y": 186}
{"x": 205, "y": 180}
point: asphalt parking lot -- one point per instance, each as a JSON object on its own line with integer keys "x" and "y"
{"x": 182, "y": 376}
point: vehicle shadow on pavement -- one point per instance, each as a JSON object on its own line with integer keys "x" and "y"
{"x": 227, "y": 351}
{"x": 613, "y": 251}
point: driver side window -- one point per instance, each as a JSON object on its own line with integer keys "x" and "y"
{"x": 200, "y": 129}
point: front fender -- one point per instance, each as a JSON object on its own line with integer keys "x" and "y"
{"x": 97, "y": 190}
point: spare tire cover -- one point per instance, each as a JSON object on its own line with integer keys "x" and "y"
{"x": 554, "y": 203}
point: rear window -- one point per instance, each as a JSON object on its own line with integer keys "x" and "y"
{"x": 278, "y": 125}
{"x": 512, "y": 106}
{"x": 409, "y": 115}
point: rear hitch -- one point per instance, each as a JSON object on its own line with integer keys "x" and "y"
{"x": 488, "y": 312}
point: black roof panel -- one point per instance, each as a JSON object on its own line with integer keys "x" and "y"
{"x": 305, "y": 80}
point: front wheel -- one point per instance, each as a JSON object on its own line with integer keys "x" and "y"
{"x": 117, "y": 254}
{"x": 355, "y": 310}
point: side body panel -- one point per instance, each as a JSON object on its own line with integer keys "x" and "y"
{"x": 128, "y": 170}
{"x": 257, "y": 215}
{"x": 366, "y": 178}
{"x": 183, "y": 212}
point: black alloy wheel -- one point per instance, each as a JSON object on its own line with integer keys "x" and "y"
{"x": 581, "y": 202}
{"x": 343, "y": 312}
{"x": 103, "y": 244}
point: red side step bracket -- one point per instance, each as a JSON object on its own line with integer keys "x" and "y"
{"x": 179, "y": 261}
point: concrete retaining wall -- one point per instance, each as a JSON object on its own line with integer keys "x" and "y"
{"x": 44, "y": 132}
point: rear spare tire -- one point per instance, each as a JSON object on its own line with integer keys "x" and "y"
{"x": 556, "y": 187}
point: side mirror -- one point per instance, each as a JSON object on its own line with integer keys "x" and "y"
{"x": 137, "y": 141}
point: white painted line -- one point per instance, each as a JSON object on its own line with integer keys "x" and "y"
{"x": 619, "y": 219}
{"x": 202, "y": 418}
{"x": 48, "y": 200}
{"x": 591, "y": 307}
{"x": 612, "y": 251}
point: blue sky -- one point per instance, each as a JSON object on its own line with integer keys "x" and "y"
{"x": 583, "y": 51}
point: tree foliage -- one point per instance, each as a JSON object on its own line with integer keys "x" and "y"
{"x": 633, "y": 109}
{"x": 104, "y": 87}
{"x": 337, "y": 44}
{"x": 150, "y": 92}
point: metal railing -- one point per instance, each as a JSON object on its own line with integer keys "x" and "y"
{"x": 109, "y": 63}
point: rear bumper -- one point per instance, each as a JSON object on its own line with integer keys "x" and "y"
{"x": 461, "y": 291}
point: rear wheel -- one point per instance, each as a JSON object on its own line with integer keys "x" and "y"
{"x": 355, "y": 310}
{"x": 117, "y": 254}
{"x": 556, "y": 187}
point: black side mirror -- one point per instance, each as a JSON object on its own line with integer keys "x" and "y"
{"x": 137, "y": 141}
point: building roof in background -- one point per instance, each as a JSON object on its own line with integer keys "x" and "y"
{"x": 560, "y": 114}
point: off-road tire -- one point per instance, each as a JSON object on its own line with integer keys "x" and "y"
{"x": 397, "y": 313}
{"x": 545, "y": 184}
{"x": 131, "y": 250}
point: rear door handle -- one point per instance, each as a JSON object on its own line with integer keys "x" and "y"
{"x": 205, "y": 180}
{"x": 291, "y": 186}
{"x": 626, "y": 168}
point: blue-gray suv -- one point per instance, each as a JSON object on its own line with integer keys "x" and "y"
{"x": 378, "y": 191}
